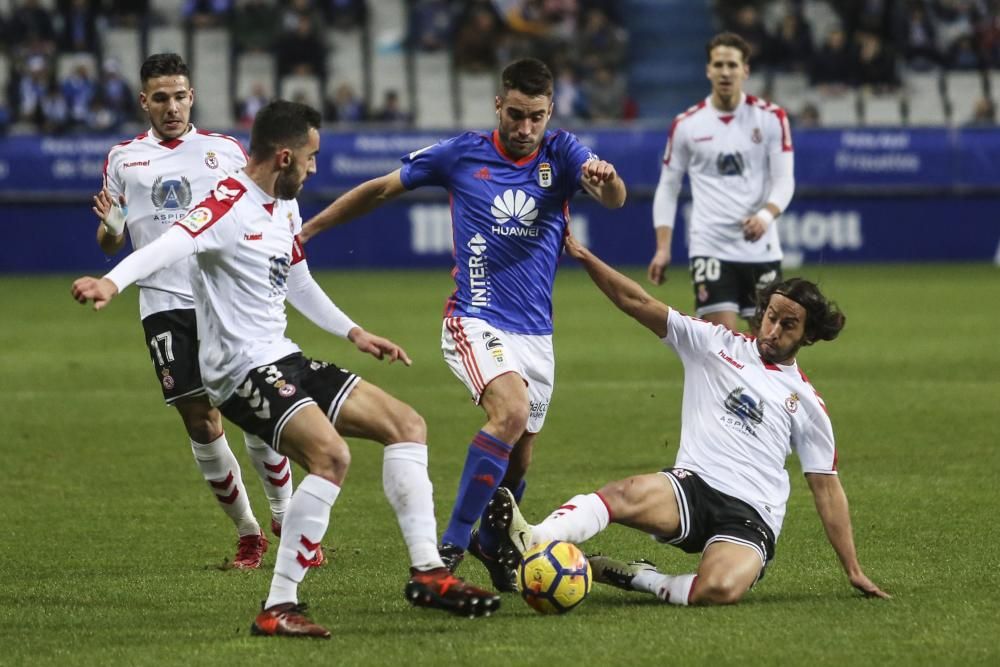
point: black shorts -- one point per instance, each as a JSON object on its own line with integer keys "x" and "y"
{"x": 709, "y": 516}
{"x": 172, "y": 340}
{"x": 272, "y": 394}
{"x": 721, "y": 286}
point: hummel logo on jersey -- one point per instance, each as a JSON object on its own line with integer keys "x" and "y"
{"x": 700, "y": 139}
{"x": 514, "y": 205}
{"x": 253, "y": 237}
{"x": 483, "y": 174}
{"x": 137, "y": 163}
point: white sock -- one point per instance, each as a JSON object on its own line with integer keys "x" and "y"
{"x": 409, "y": 490}
{"x": 676, "y": 589}
{"x": 275, "y": 474}
{"x": 577, "y": 520}
{"x": 222, "y": 472}
{"x": 305, "y": 525}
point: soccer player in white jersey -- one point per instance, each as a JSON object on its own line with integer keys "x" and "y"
{"x": 747, "y": 405}
{"x": 150, "y": 182}
{"x": 737, "y": 151}
{"x": 510, "y": 191}
{"x": 249, "y": 260}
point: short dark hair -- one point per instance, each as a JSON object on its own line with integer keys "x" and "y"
{"x": 279, "y": 124}
{"x": 824, "y": 319}
{"x": 728, "y": 39}
{"x": 529, "y": 76}
{"x": 163, "y": 64}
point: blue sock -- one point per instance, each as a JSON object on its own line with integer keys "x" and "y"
{"x": 489, "y": 539}
{"x": 485, "y": 466}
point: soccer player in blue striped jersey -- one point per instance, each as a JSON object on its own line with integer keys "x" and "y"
{"x": 509, "y": 192}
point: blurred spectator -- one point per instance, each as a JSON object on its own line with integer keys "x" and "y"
{"x": 875, "y": 65}
{"x": 918, "y": 37}
{"x": 568, "y": 98}
{"x": 53, "y": 116}
{"x": 346, "y": 106}
{"x": 255, "y": 25}
{"x": 600, "y": 42}
{"x": 78, "y": 30}
{"x": 808, "y": 116}
{"x": 79, "y": 90}
{"x": 31, "y": 88}
{"x": 476, "y": 40}
{"x": 430, "y": 24}
{"x": 963, "y": 54}
{"x": 832, "y": 64}
{"x": 297, "y": 9}
{"x": 206, "y": 13}
{"x": 988, "y": 34}
{"x": 5, "y": 118}
{"x": 100, "y": 117}
{"x": 302, "y": 51}
{"x": 984, "y": 114}
{"x": 346, "y": 14}
{"x": 792, "y": 46}
{"x": 391, "y": 111}
{"x": 248, "y": 108}
{"x": 115, "y": 94}
{"x": 124, "y": 12}
{"x": 747, "y": 24}
{"x": 29, "y": 22}
{"x": 605, "y": 95}
{"x": 872, "y": 16}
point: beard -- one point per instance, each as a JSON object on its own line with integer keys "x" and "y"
{"x": 287, "y": 185}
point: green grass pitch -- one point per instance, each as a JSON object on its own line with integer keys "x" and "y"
{"x": 111, "y": 541}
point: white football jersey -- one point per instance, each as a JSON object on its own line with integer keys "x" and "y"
{"x": 726, "y": 156}
{"x": 161, "y": 180}
{"x": 741, "y": 417}
{"x": 246, "y": 245}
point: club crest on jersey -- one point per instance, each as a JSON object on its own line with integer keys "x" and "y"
{"x": 211, "y": 161}
{"x": 168, "y": 379}
{"x": 545, "y": 174}
{"x": 702, "y": 293}
{"x": 197, "y": 219}
{"x": 792, "y": 403}
{"x": 756, "y": 136}
{"x": 172, "y": 194}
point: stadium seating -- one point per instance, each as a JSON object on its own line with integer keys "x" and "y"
{"x": 964, "y": 90}
{"x": 388, "y": 57}
{"x": 345, "y": 60}
{"x": 476, "y": 93}
{"x": 210, "y": 63}
{"x": 435, "y": 104}
{"x": 924, "y": 99}
{"x": 253, "y": 68}
{"x": 884, "y": 109}
{"x": 305, "y": 88}
{"x": 123, "y": 44}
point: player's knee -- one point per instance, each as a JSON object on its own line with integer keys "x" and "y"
{"x": 512, "y": 421}
{"x": 330, "y": 458}
{"x": 408, "y": 426}
{"x": 623, "y": 497}
{"x": 718, "y": 588}
{"x": 203, "y": 426}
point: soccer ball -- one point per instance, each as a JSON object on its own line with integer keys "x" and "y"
{"x": 554, "y": 577}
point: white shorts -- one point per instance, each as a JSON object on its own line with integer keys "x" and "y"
{"x": 477, "y": 352}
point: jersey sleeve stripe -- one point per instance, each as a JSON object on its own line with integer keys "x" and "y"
{"x": 298, "y": 252}
{"x": 673, "y": 128}
{"x": 225, "y": 136}
{"x": 217, "y": 205}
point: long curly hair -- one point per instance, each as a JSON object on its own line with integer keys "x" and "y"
{"x": 824, "y": 319}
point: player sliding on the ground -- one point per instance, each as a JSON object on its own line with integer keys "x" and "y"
{"x": 249, "y": 260}
{"x": 746, "y": 406}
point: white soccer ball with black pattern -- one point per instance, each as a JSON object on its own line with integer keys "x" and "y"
{"x": 554, "y": 577}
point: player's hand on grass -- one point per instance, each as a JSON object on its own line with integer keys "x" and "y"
{"x": 378, "y": 347}
{"x": 598, "y": 171}
{"x": 868, "y": 587}
{"x": 657, "y": 267}
{"x": 98, "y": 290}
{"x": 754, "y": 228}
{"x": 110, "y": 212}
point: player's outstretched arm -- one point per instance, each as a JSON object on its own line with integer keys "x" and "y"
{"x": 377, "y": 346}
{"x": 111, "y": 214}
{"x": 831, "y": 504}
{"x": 600, "y": 179}
{"x": 622, "y": 290}
{"x": 354, "y": 203}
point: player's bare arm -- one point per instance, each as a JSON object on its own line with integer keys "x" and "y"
{"x": 353, "y": 204}
{"x": 832, "y": 506}
{"x": 111, "y": 230}
{"x": 661, "y": 258}
{"x": 98, "y": 290}
{"x": 600, "y": 179}
{"x": 377, "y": 346}
{"x": 622, "y": 290}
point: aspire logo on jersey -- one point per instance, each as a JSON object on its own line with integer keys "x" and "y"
{"x": 514, "y": 205}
